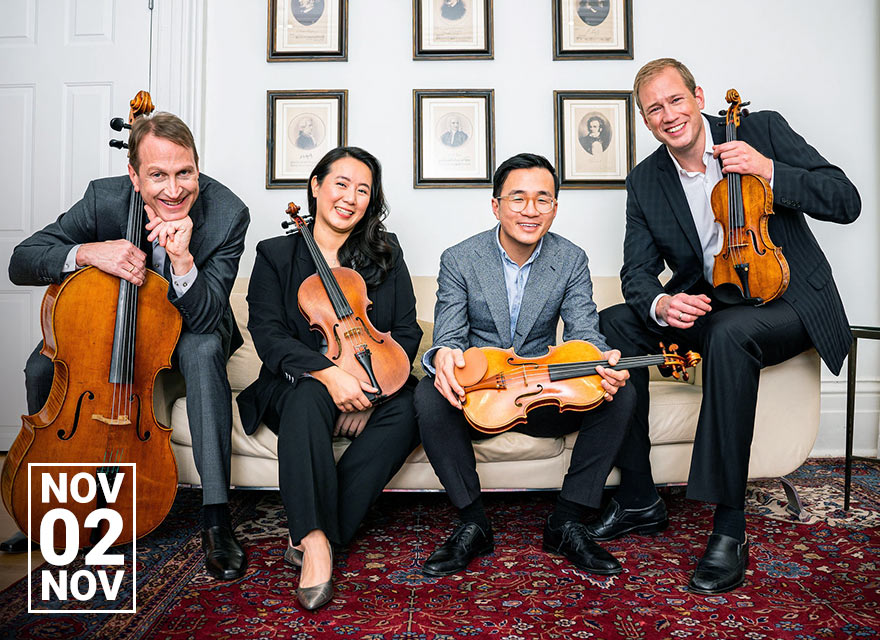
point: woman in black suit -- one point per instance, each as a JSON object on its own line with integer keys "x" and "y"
{"x": 305, "y": 398}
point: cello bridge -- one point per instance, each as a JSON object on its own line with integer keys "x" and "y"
{"x": 121, "y": 421}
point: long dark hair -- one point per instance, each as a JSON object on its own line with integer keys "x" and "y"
{"x": 367, "y": 249}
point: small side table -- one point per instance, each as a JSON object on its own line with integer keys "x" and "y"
{"x": 870, "y": 333}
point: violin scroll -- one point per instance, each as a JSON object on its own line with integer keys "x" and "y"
{"x": 675, "y": 365}
{"x": 296, "y": 221}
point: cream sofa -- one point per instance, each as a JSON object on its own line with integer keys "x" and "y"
{"x": 785, "y": 427}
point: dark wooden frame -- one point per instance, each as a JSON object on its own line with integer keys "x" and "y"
{"x": 487, "y": 53}
{"x": 625, "y": 53}
{"x": 419, "y": 180}
{"x": 560, "y": 137}
{"x": 339, "y": 54}
{"x": 272, "y": 113}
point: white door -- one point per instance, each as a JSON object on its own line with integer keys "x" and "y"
{"x": 66, "y": 68}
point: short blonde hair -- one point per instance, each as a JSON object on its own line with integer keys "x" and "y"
{"x": 654, "y": 67}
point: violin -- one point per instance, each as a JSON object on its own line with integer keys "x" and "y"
{"x": 108, "y": 340}
{"x": 501, "y": 387}
{"x": 749, "y": 268}
{"x": 335, "y": 303}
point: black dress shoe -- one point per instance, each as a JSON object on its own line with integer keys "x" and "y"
{"x": 466, "y": 543}
{"x": 224, "y": 557}
{"x": 722, "y": 567}
{"x": 572, "y": 541}
{"x": 616, "y": 521}
{"x": 17, "y": 544}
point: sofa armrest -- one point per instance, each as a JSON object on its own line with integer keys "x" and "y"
{"x": 168, "y": 388}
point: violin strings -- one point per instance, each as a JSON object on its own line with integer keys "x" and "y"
{"x": 590, "y": 365}
{"x": 331, "y": 287}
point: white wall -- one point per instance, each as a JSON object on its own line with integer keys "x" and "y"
{"x": 816, "y": 65}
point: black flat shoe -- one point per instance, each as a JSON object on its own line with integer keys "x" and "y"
{"x": 466, "y": 543}
{"x": 571, "y": 540}
{"x": 616, "y": 521}
{"x": 17, "y": 544}
{"x": 722, "y": 567}
{"x": 224, "y": 557}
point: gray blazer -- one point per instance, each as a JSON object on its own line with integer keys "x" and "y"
{"x": 472, "y": 308}
{"x": 220, "y": 220}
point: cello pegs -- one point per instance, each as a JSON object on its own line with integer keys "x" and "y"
{"x": 118, "y": 144}
{"x": 118, "y": 124}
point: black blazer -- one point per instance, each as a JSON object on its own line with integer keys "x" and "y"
{"x": 660, "y": 229}
{"x": 286, "y": 345}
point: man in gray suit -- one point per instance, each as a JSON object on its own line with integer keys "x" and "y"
{"x": 195, "y": 236}
{"x": 508, "y": 287}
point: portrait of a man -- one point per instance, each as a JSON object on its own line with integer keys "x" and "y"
{"x": 307, "y": 12}
{"x": 305, "y": 133}
{"x": 454, "y": 136}
{"x": 594, "y": 133}
{"x": 452, "y": 9}
{"x": 593, "y": 12}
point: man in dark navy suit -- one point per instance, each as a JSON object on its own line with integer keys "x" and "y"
{"x": 669, "y": 223}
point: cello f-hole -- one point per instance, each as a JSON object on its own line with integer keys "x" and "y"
{"x": 79, "y": 402}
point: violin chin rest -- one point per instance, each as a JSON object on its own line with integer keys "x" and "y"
{"x": 475, "y": 366}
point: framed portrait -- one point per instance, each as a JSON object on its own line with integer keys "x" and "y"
{"x": 594, "y": 142}
{"x": 453, "y": 138}
{"x": 599, "y": 29}
{"x": 452, "y": 29}
{"x": 301, "y": 126}
{"x": 311, "y": 30}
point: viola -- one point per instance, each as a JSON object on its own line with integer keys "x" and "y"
{"x": 501, "y": 387}
{"x": 749, "y": 267}
{"x": 108, "y": 340}
{"x": 335, "y": 302}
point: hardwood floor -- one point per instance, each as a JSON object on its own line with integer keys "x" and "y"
{"x": 13, "y": 566}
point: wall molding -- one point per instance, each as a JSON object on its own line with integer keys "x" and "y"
{"x": 178, "y": 61}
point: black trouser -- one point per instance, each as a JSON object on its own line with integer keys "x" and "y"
{"x": 735, "y": 343}
{"x": 319, "y": 493}
{"x": 447, "y": 436}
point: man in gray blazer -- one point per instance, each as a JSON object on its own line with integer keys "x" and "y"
{"x": 194, "y": 236}
{"x": 669, "y": 224}
{"x": 508, "y": 287}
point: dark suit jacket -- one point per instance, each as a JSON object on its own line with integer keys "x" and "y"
{"x": 286, "y": 345}
{"x": 472, "y": 309}
{"x": 220, "y": 221}
{"x": 660, "y": 229}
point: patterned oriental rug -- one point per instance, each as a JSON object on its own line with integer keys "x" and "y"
{"x": 817, "y": 578}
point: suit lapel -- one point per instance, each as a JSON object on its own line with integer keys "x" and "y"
{"x": 671, "y": 186}
{"x": 537, "y": 291}
{"x": 197, "y": 213}
{"x": 490, "y": 275}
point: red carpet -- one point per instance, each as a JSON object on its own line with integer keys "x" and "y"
{"x": 807, "y": 580}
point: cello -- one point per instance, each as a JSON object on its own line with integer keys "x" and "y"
{"x": 749, "y": 267}
{"x": 335, "y": 303}
{"x": 501, "y": 388}
{"x": 108, "y": 340}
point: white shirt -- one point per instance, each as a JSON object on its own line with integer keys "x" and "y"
{"x": 698, "y": 187}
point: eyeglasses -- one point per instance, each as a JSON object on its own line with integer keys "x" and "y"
{"x": 517, "y": 202}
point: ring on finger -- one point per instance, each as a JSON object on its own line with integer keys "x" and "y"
{"x": 680, "y": 315}
{"x": 132, "y": 269}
